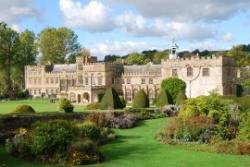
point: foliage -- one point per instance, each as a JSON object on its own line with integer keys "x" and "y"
{"x": 162, "y": 99}
{"x": 141, "y": 100}
{"x": 244, "y": 129}
{"x": 134, "y": 58}
{"x": 123, "y": 121}
{"x": 48, "y": 138}
{"x": 180, "y": 98}
{"x": 173, "y": 86}
{"x": 84, "y": 152}
{"x": 111, "y": 100}
{"x": 240, "y": 55}
{"x": 99, "y": 118}
{"x": 56, "y": 43}
{"x": 90, "y": 130}
{"x": 145, "y": 114}
{"x": 66, "y": 106}
{"x": 124, "y": 103}
{"x": 24, "y": 109}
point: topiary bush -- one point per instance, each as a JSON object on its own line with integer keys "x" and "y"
{"x": 66, "y": 106}
{"x": 173, "y": 86}
{"x": 162, "y": 99}
{"x": 124, "y": 103}
{"x": 180, "y": 98}
{"x": 90, "y": 130}
{"x": 111, "y": 100}
{"x": 24, "y": 109}
{"x": 141, "y": 100}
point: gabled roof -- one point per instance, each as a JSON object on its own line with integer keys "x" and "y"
{"x": 147, "y": 68}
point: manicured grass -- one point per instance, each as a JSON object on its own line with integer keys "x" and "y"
{"x": 138, "y": 147}
{"x": 40, "y": 105}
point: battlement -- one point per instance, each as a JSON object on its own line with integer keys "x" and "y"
{"x": 195, "y": 58}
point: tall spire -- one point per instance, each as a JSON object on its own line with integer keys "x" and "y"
{"x": 173, "y": 50}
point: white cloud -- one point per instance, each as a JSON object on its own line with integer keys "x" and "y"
{"x": 119, "y": 48}
{"x": 228, "y": 37}
{"x": 16, "y": 28}
{"x": 191, "y": 10}
{"x": 94, "y": 16}
{"x": 12, "y": 11}
{"x": 137, "y": 25}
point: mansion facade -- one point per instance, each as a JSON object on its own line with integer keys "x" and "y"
{"x": 84, "y": 81}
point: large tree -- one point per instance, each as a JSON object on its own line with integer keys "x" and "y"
{"x": 56, "y": 44}
{"x": 242, "y": 57}
{"x": 9, "y": 51}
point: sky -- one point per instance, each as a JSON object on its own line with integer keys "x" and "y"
{"x": 124, "y": 26}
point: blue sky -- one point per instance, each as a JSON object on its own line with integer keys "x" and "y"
{"x": 123, "y": 26}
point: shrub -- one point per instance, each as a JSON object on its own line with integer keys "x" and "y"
{"x": 244, "y": 130}
{"x": 123, "y": 121}
{"x": 243, "y": 147}
{"x": 90, "y": 130}
{"x": 99, "y": 118}
{"x": 180, "y": 98}
{"x": 84, "y": 152}
{"x": 19, "y": 144}
{"x": 162, "y": 99}
{"x": 141, "y": 100}
{"x": 144, "y": 114}
{"x": 24, "y": 109}
{"x": 111, "y": 100}
{"x": 66, "y": 106}
{"x": 93, "y": 106}
{"x": 49, "y": 138}
{"x": 173, "y": 86}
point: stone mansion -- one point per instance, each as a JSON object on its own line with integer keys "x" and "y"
{"x": 85, "y": 80}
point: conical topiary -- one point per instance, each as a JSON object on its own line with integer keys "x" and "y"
{"x": 162, "y": 99}
{"x": 141, "y": 100}
{"x": 180, "y": 98}
{"x": 111, "y": 100}
{"x": 123, "y": 101}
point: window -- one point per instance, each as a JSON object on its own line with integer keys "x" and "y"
{"x": 128, "y": 81}
{"x": 189, "y": 71}
{"x": 151, "y": 81}
{"x": 123, "y": 82}
{"x": 56, "y": 80}
{"x": 143, "y": 81}
{"x": 205, "y": 72}
{"x": 47, "y": 80}
{"x": 86, "y": 81}
{"x": 34, "y": 81}
{"x": 99, "y": 80}
{"x": 174, "y": 73}
{"x": 80, "y": 79}
{"x": 80, "y": 67}
{"x": 52, "y": 80}
{"x": 93, "y": 80}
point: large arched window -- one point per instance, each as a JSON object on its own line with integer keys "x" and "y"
{"x": 189, "y": 71}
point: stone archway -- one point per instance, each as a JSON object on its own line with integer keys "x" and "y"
{"x": 72, "y": 97}
{"x": 85, "y": 98}
{"x": 79, "y": 98}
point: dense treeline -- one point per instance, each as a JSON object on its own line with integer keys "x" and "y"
{"x": 60, "y": 45}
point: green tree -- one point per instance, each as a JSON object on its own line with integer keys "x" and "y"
{"x": 160, "y": 55}
{"x": 173, "y": 86}
{"x": 57, "y": 44}
{"x": 141, "y": 100}
{"x": 162, "y": 99}
{"x": 180, "y": 98}
{"x": 134, "y": 58}
{"x": 9, "y": 53}
{"x": 111, "y": 100}
{"x": 241, "y": 57}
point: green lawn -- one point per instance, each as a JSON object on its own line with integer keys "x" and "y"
{"x": 39, "y": 105}
{"x": 138, "y": 147}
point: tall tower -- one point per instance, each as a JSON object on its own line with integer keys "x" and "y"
{"x": 173, "y": 50}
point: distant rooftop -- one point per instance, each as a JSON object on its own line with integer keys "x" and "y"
{"x": 150, "y": 67}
